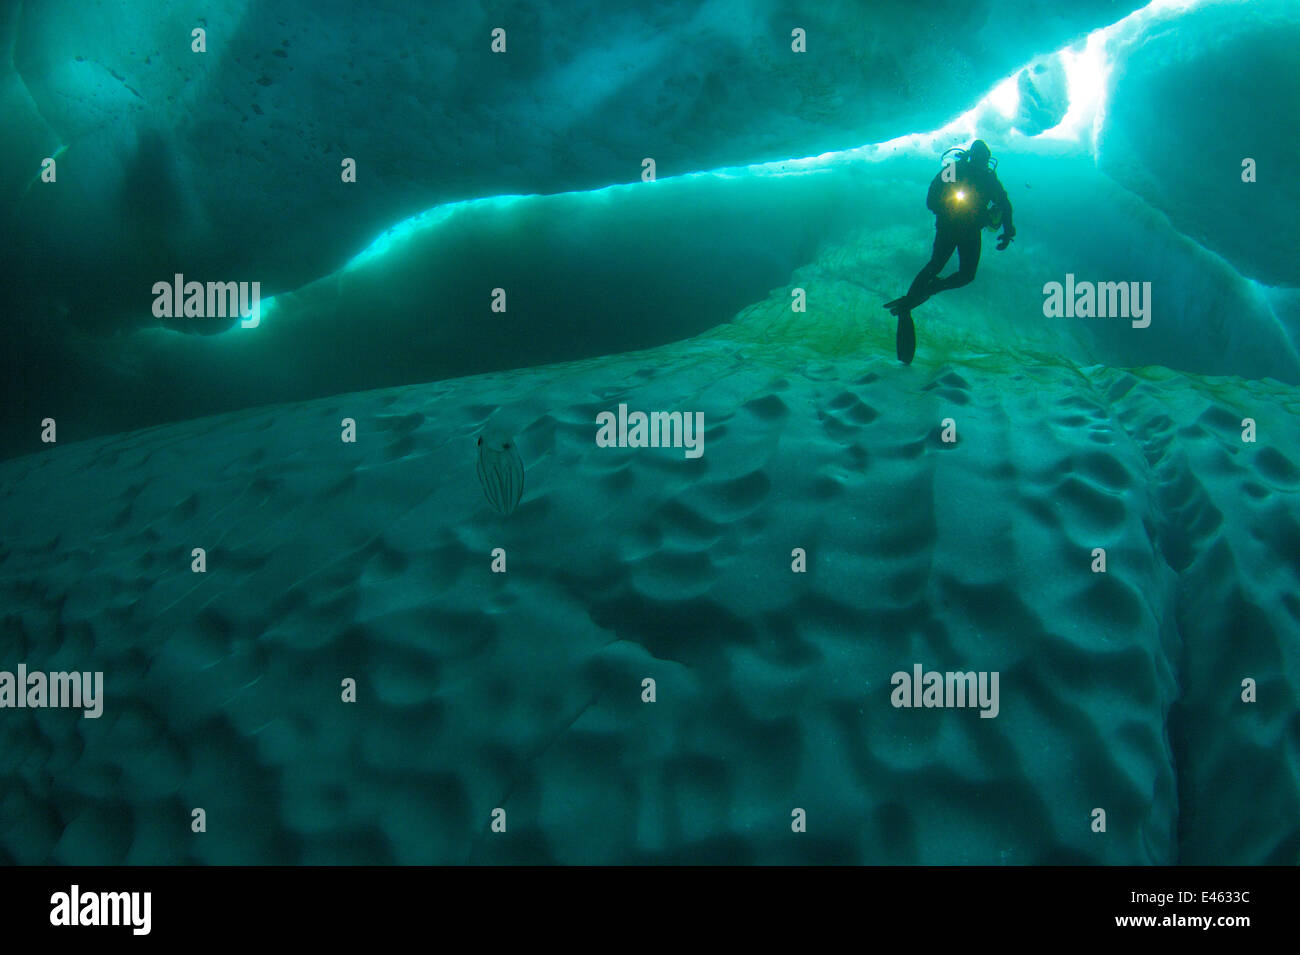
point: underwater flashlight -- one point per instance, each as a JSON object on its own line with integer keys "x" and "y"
{"x": 959, "y": 195}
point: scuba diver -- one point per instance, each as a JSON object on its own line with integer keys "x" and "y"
{"x": 965, "y": 197}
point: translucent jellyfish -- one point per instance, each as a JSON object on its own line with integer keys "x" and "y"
{"x": 500, "y": 471}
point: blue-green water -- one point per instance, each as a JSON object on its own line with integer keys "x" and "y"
{"x": 366, "y": 581}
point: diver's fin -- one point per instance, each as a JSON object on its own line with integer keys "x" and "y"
{"x": 906, "y": 336}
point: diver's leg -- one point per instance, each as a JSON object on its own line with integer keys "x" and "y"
{"x": 968, "y": 251}
{"x": 944, "y": 245}
{"x": 905, "y": 337}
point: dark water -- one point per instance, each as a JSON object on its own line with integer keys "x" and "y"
{"x": 364, "y": 580}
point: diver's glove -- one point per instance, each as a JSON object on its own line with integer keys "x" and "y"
{"x": 1005, "y": 239}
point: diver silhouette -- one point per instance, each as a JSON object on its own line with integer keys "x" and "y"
{"x": 965, "y": 197}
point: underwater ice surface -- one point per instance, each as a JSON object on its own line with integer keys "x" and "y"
{"x": 1122, "y": 153}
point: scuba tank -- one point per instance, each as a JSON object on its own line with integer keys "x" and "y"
{"x": 991, "y": 218}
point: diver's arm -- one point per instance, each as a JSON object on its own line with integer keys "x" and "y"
{"x": 1003, "y": 205}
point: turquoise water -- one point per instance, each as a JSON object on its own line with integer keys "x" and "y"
{"x": 366, "y": 582}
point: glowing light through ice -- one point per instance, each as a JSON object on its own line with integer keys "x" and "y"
{"x": 396, "y": 234}
{"x": 1005, "y": 97}
{"x": 262, "y": 308}
{"x": 1087, "y": 72}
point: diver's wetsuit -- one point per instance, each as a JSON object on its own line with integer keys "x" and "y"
{"x": 961, "y": 208}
